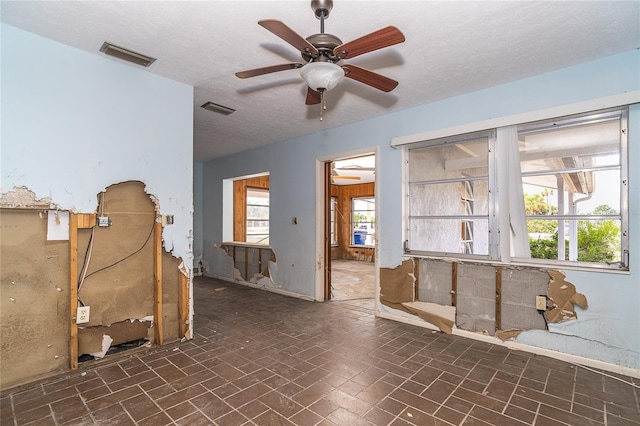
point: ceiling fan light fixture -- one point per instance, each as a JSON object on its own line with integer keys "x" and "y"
{"x": 322, "y": 75}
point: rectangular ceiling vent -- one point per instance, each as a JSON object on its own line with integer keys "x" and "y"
{"x": 126, "y": 54}
{"x": 220, "y": 109}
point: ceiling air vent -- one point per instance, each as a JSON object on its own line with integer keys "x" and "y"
{"x": 220, "y": 109}
{"x": 126, "y": 54}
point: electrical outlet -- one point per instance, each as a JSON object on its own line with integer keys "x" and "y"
{"x": 541, "y": 303}
{"x": 103, "y": 221}
{"x": 82, "y": 316}
{"x": 167, "y": 219}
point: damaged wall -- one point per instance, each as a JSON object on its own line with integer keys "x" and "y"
{"x": 487, "y": 299}
{"x": 612, "y": 319}
{"x": 140, "y": 130}
{"x": 34, "y": 302}
{"x": 118, "y": 285}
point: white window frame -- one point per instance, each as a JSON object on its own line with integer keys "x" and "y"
{"x": 265, "y": 239}
{"x": 501, "y": 247}
{"x": 372, "y": 223}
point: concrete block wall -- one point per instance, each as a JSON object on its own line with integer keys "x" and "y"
{"x": 476, "y": 301}
{"x": 476, "y": 294}
{"x": 519, "y": 290}
{"x": 434, "y": 283}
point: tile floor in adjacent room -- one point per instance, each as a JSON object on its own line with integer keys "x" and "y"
{"x": 263, "y": 359}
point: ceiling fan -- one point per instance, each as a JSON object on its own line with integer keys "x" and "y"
{"x": 323, "y": 53}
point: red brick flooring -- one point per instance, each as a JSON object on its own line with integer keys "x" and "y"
{"x": 263, "y": 359}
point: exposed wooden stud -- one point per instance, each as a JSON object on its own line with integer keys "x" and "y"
{"x": 157, "y": 273}
{"x": 73, "y": 293}
{"x": 454, "y": 284}
{"x": 416, "y": 274}
{"x": 498, "y": 298}
{"x": 184, "y": 305}
{"x": 86, "y": 221}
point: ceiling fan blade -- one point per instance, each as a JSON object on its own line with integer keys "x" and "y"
{"x": 370, "y": 78}
{"x": 287, "y": 34}
{"x": 266, "y": 70}
{"x": 385, "y": 37}
{"x": 313, "y": 97}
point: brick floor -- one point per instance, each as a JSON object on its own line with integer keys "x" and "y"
{"x": 258, "y": 358}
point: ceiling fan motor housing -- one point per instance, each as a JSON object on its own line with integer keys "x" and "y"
{"x": 321, "y": 8}
{"x": 325, "y": 43}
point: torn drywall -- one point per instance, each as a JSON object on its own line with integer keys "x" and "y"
{"x": 91, "y": 339}
{"x": 250, "y": 262}
{"x": 441, "y": 316}
{"x": 563, "y": 295}
{"x": 508, "y": 334}
{"x": 397, "y": 285}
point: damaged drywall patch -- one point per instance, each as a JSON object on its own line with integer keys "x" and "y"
{"x": 249, "y": 262}
{"x": 563, "y": 296}
{"x": 397, "y": 285}
{"x": 92, "y": 340}
{"x": 443, "y": 317}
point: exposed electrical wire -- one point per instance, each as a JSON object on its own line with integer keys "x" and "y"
{"x": 87, "y": 259}
{"x": 126, "y": 257}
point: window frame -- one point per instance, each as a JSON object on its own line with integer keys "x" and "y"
{"x": 333, "y": 211}
{"x": 369, "y": 199}
{"x": 499, "y": 246}
{"x": 265, "y": 240}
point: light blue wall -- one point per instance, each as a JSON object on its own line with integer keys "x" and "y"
{"x": 74, "y": 123}
{"x": 608, "y": 333}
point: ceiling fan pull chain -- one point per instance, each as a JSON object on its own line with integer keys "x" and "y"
{"x": 323, "y": 104}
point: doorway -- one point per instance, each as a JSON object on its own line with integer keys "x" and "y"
{"x": 350, "y": 228}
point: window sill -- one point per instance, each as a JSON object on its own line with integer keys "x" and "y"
{"x": 519, "y": 263}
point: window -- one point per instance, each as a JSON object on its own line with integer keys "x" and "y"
{"x": 334, "y": 233}
{"x": 558, "y": 188}
{"x": 257, "y": 222}
{"x": 448, "y": 197}
{"x": 363, "y": 216}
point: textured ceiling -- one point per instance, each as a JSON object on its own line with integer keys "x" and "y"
{"x": 451, "y": 48}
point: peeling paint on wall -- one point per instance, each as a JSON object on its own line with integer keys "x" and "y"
{"x": 22, "y": 197}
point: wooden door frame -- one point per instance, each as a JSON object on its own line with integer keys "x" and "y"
{"x": 327, "y": 230}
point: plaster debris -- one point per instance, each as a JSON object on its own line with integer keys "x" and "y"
{"x": 507, "y": 334}
{"x": 22, "y": 197}
{"x": 563, "y": 296}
